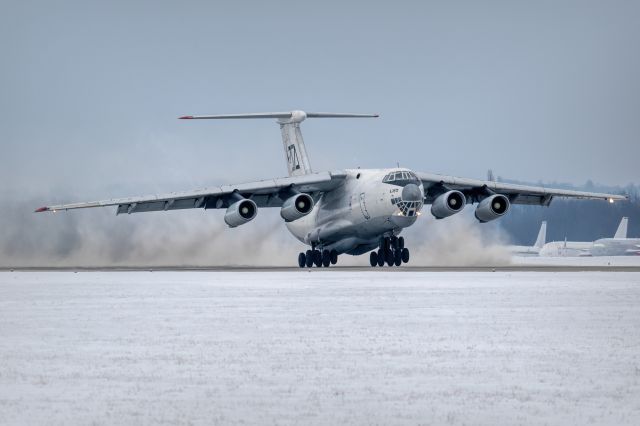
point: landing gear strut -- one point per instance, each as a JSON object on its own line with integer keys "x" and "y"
{"x": 392, "y": 252}
{"x": 324, "y": 258}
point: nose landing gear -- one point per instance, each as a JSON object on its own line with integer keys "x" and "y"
{"x": 392, "y": 252}
{"x": 324, "y": 258}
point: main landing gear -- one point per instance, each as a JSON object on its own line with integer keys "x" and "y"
{"x": 318, "y": 258}
{"x": 392, "y": 252}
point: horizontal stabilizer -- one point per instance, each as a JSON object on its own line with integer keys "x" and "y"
{"x": 295, "y": 116}
{"x": 295, "y": 151}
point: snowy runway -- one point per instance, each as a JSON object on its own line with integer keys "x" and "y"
{"x": 321, "y": 347}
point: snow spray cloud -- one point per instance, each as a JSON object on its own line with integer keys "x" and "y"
{"x": 98, "y": 238}
{"x": 456, "y": 241}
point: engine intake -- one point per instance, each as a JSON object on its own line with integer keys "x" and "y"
{"x": 296, "y": 207}
{"x": 448, "y": 204}
{"x": 240, "y": 213}
{"x": 492, "y": 208}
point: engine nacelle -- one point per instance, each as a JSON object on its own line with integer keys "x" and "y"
{"x": 492, "y": 208}
{"x": 296, "y": 207}
{"x": 447, "y": 204}
{"x": 240, "y": 213}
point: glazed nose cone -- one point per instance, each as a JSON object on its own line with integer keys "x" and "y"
{"x": 411, "y": 192}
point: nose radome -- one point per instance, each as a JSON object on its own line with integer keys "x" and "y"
{"x": 411, "y": 192}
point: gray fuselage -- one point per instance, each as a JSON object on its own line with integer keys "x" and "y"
{"x": 372, "y": 203}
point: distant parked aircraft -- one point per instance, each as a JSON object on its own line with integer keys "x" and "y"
{"x": 533, "y": 250}
{"x": 353, "y": 211}
{"x": 619, "y": 245}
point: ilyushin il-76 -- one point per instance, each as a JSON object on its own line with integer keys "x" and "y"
{"x": 352, "y": 211}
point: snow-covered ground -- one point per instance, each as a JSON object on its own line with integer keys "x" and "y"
{"x": 320, "y": 347}
{"x": 617, "y": 261}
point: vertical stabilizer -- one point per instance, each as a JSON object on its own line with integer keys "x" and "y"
{"x": 293, "y": 143}
{"x": 542, "y": 235}
{"x": 622, "y": 228}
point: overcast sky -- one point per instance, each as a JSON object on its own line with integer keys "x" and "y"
{"x": 544, "y": 90}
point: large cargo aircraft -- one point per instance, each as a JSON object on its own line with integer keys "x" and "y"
{"x": 619, "y": 245}
{"x": 353, "y": 211}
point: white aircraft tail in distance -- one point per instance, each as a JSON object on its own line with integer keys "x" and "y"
{"x": 621, "y": 232}
{"x": 533, "y": 250}
{"x": 351, "y": 211}
{"x": 619, "y": 245}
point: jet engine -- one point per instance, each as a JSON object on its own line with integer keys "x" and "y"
{"x": 240, "y": 212}
{"x": 447, "y": 204}
{"x": 492, "y": 208}
{"x": 296, "y": 207}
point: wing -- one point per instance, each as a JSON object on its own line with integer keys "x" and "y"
{"x": 476, "y": 190}
{"x": 265, "y": 193}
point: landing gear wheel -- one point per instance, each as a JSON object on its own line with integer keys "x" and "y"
{"x": 405, "y": 255}
{"x": 397, "y": 258}
{"x": 302, "y": 260}
{"x": 334, "y": 257}
{"x": 388, "y": 257}
{"x": 380, "y": 258}
{"x": 317, "y": 258}
{"x": 326, "y": 258}
{"x": 373, "y": 259}
{"x": 309, "y": 258}
{"x": 401, "y": 242}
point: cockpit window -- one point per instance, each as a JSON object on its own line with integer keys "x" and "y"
{"x": 400, "y": 177}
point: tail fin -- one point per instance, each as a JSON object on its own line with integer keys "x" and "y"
{"x": 542, "y": 235}
{"x": 622, "y": 228}
{"x": 294, "y": 149}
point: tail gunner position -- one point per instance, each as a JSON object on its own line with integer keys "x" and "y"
{"x": 351, "y": 211}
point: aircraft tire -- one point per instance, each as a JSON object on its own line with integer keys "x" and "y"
{"x": 373, "y": 259}
{"x": 401, "y": 242}
{"x": 389, "y": 258}
{"x": 405, "y": 255}
{"x": 334, "y": 257}
{"x": 317, "y": 258}
{"x": 326, "y": 258}
{"x": 302, "y": 260}
{"x": 381, "y": 258}
{"x": 397, "y": 258}
{"x": 309, "y": 258}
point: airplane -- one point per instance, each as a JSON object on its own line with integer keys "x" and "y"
{"x": 352, "y": 211}
{"x": 619, "y": 245}
{"x": 533, "y": 250}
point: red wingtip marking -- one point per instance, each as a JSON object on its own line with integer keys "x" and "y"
{"x": 42, "y": 209}
{"x": 186, "y": 117}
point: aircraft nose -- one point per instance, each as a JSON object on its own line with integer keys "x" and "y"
{"x": 411, "y": 192}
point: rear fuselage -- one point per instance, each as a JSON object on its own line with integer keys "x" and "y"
{"x": 372, "y": 203}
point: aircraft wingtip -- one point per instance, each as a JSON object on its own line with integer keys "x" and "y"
{"x": 186, "y": 117}
{"x": 41, "y": 209}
